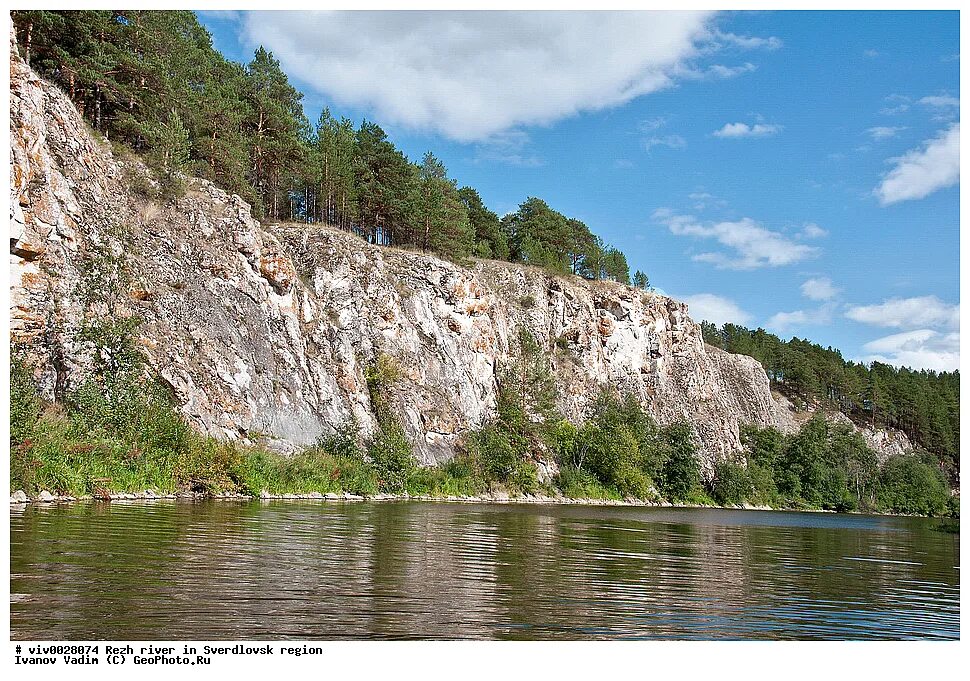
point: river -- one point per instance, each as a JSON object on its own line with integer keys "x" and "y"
{"x": 218, "y": 570}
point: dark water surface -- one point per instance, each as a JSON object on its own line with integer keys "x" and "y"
{"x": 299, "y": 569}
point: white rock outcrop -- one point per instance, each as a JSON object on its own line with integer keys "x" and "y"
{"x": 265, "y": 331}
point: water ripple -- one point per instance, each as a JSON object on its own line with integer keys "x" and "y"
{"x": 309, "y": 570}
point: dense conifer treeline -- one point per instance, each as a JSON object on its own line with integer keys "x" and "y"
{"x": 923, "y": 404}
{"x": 152, "y": 81}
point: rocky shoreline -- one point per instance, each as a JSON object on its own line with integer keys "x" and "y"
{"x": 44, "y": 497}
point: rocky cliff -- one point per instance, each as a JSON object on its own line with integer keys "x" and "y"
{"x": 264, "y": 331}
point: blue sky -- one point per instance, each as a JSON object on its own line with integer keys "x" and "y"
{"x": 797, "y": 171}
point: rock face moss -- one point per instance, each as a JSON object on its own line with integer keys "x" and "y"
{"x": 264, "y": 332}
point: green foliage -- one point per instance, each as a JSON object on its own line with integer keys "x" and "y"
{"x": 458, "y": 477}
{"x": 152, "y": 82}
{"x": 25, "y": 405}
{"x": 527, "y": 423}
{"x": 313, "y": 470}
{"x": 913, "y": 484}
{"x": 490, "y": 240}
{"x": 344, "y": 442}
{"x": 617, "y": 445}
{"x": 680, "y": 475}
{"x": 389, "y": 450}
{"x": 120, "y": 431}
{"x": 732, "y": 485}
{"x": 624, "y": 452}
{"x": 578, "y": 483}
{"x": 923, "y": 404}
{"x": 830, "y": 466}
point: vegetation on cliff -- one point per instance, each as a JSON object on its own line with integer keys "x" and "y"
{"x": 152, "y": 82}
{"x": 923, "y": 404}
{"x": 120, "y": 431}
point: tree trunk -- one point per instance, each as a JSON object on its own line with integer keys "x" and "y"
{"x": 30, "y": 29}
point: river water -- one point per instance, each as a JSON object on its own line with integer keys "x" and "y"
{"x": 220, "y": 570}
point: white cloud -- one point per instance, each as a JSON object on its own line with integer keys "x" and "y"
{"x": 733, "y": 130}
{"x": 749, "y": 42}
{"x": 508, "y": 147}
{"x": 469, "y": 75}
{"x": 721, "y": 71}
{"x": 941, "y": 101}
{"x": 920, "y": 172}
{"x": 908, "y": 313}
{"x": 813, "y": 231}
{"x": 819, "y": 288}
{"x": 783, "y": 321}
{"x": 883, "y": 132}
{"x": 753, "y": 246}
{"x": 651, "y": 124}
{"x": 898, "y": 104}
{"x": 918, "y": 349}
{"x": 872, "y": 54}
{"x": 716, "y": 309}
{"x": 672, "y": 141}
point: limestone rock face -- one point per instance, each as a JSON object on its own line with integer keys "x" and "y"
{"x": 885, "y": 442}
{"x": 265, "y": 331}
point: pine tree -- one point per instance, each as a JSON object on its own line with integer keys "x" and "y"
{"x": 490, "y": 241}
{"x": 277, "y": 128}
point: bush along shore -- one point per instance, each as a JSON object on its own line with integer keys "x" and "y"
{"x": 118, "y": 435}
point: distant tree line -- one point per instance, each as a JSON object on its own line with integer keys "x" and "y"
{"x": 923, "y": 404}
{"x": 152, "y": 81}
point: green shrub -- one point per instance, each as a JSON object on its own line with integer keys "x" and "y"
{"x": 577, "y": 483}
{"x": 390, "y": 453}
{"x": 458, "y": 477}
{"x": 731, "y": 485}
{"x": 389, "y": 450}
{"x": 763, "y": 489}
{"x": 681, "y": 474}
{"x": 524, "y": 478}
{"x": 25, "y": 404}
{"x": 911, "y": 483}
{"x": 343, "y": 442}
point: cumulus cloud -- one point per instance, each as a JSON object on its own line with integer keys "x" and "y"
{"x": 931, "y": 339}
{"x": 734, "y": 130}
{"x": 716, "y": 309}
{"x": 908, "y": 313}
{"x": 917, "y": 349}
{"x": 750, "y": 245}
{"x": 784, "y": 321}
{"x": 469, "y": 75}
{"x": 819, "y": 288}
{"x": 920, "y": 172}
{"x": 884, "y": 132}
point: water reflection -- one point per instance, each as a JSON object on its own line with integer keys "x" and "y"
{"x": 253, "y": 570}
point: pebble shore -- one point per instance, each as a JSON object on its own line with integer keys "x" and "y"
{"x": 45, "y": 497}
